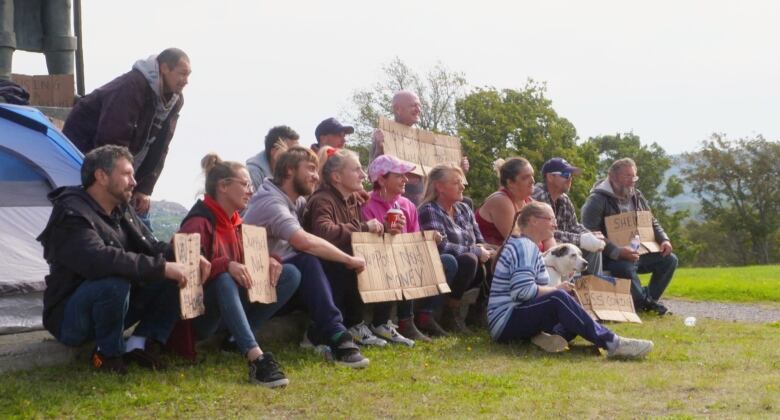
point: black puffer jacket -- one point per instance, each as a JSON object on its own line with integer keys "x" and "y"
{"x": 80, "y": 242}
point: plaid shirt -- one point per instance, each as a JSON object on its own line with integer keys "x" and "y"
{"x": 460, "y": 233}
{"x": 569, "y": 229}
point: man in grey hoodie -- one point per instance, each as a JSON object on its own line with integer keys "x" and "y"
{"x": 138, "y": 110}
{"x": 617, "y": 194}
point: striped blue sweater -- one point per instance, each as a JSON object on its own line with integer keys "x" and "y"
{"x": 519, "y": 272}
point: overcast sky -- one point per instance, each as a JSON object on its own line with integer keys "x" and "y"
{"x": 673, "y": 72}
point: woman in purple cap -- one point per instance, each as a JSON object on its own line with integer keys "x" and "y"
{"x": 389, "y": 176}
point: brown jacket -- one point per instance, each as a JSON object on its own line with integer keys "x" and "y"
{"x": 121, "y": 112}
{"x": 332, "y": 217}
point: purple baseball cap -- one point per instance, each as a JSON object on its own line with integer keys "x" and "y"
{"x": 332, "y": 126}
{"x": 559, "y": 165}
{"x": 385, "y": 164}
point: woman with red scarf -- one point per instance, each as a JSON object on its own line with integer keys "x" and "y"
{"x": 216, "y": 219}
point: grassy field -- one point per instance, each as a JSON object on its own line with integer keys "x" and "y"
{"x": 729, "y": 284}
{"x": 713, "y": 369}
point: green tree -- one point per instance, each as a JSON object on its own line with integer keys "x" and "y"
{"x": 737, "y": 182}
{"x": 437, "y": 89}
{"x": 504, "y": 123}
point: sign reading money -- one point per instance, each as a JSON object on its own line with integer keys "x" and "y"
{"x": 403, "y": 266}
{"x": 423, "y": 148}
{"x": 258, "y": 261}
{"x": 606, "y": 298}
{"x": 187, "y": 251}
{"x": 624, "y": 226}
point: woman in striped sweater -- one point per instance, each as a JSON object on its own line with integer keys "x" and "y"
{"x": 523, "y": 306}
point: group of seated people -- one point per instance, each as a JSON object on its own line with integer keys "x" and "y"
{"x": 108, "y": 271}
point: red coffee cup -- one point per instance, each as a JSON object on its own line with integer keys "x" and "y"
{"x": 392, "y": 217}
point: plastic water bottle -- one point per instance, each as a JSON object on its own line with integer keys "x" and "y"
{"x": 690, "y": 321}
{"x": 635, "y": 242}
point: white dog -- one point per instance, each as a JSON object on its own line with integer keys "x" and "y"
{"x": 562, "y": 262}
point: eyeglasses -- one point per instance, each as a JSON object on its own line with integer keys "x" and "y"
{"x": 566, "y": 175}
{"x": 548, "y": 218}
{"x": 633, "y": 178}
{"x": 246, "y": 184}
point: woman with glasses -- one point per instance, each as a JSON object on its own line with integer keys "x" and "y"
{"x": 522, "y": 306}
{"x": 497, "y": 214}
{"x": 216, "y": 219}
{"x": 334, "y": 213}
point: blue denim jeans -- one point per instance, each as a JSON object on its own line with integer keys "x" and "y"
{"x": 316, "y": 297}
{"x": 228, "y": 302}
{"x": 661, "y": 267}
{"x": 101, "y": 310}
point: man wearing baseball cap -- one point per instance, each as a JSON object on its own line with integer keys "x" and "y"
{"x": 330, "y": 132}
{"x": 557, "y": 176}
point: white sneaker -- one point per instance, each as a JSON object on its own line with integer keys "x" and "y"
{"x": 365, "y": 337}
{"x": 630, "y": 348}
{"x": 319, "y": 349}
{"x": 389, "y": 333}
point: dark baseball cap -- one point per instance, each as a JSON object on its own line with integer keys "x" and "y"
{"x": 559, "y": 165}
{"x": 332, "y": 126}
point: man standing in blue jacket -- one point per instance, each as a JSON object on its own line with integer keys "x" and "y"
{"x": 618, "y": 194}
{"x": 137, "y": 110}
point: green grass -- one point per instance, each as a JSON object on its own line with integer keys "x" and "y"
{"x": 714, "y": 369}
{"x": 729, "y": 284}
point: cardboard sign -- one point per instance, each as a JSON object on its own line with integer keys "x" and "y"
{"x": 49, "y": 90}
{"x": 421, "y": 147}
{"x": 624, "y": 226}
{"x": 607, "y": 298}
{"x": 403, "y": 266}
{"x": 187, "y": 250}
{"x": 257, "y": 261}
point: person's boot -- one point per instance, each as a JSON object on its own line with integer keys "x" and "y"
{"x": 428, "y": 325}
{"x": 407, "y": 329}
{"x": 452, "y": 321}
{"x": 476, "y": 317}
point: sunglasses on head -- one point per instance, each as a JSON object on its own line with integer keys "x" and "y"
{"x": 566, "y": 175}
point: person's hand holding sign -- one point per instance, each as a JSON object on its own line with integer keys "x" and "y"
{"x": 240, "y": 274}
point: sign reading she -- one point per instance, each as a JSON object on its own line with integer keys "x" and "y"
{"x": 606, "y": 298}
{"x": 55, "y": 90}
{"x": 257, "y": 261}
{"x": 403, "y": 266}
{"x": 187, "y": 250}
{"x": 624, "y": 226}
{"x": 421, "y": 147}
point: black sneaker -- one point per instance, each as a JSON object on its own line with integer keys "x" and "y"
{"x": 266, "y": 372}
{"x": 656, "y": 307}
{"x": 108, "y": 364}
{"x": 346, "y": 352}
{"x": 144, "y": 359}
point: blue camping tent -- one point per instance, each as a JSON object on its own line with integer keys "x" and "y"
{"x": 35, "y": 158}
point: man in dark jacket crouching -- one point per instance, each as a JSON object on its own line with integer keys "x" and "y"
{"x": 106, "y": 270}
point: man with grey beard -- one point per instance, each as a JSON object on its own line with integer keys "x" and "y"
{"x": 618, "y": 194}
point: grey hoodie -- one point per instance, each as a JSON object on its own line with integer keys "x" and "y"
{"x": 602, "y": 203}
{"x": 150, "y": 68}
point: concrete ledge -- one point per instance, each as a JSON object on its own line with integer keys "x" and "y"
{"x": 30, "y": 350}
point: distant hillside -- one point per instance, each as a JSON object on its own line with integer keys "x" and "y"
{"x": 166, "y": 217}
{"x": 687, "y": 200}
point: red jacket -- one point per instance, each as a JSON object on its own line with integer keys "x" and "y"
{"x": 220, "y": 235}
